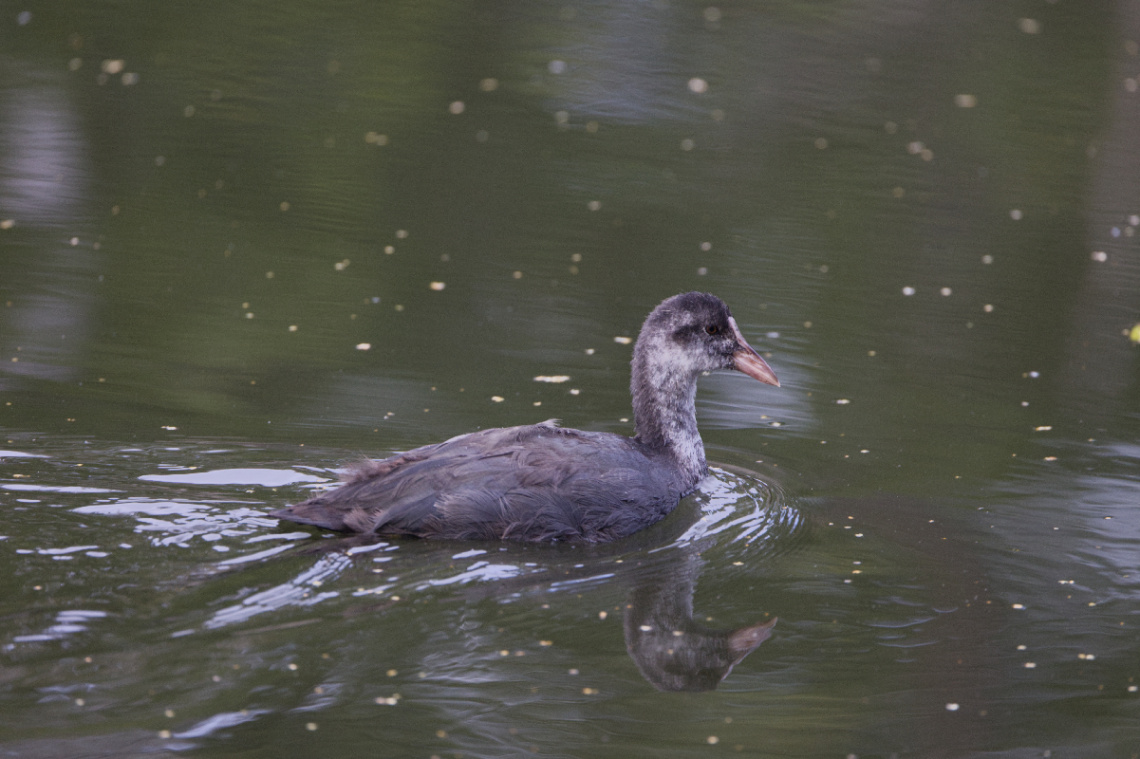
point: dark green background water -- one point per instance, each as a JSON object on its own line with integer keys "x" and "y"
{"x": 220, "y": 225}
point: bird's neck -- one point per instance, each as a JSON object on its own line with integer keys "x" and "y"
{"x": 665, "y": 416}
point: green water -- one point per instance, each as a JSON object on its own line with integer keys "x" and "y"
{"x": 242, "y": 245}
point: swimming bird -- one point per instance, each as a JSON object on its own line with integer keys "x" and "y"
{"x": 545, "y": 483}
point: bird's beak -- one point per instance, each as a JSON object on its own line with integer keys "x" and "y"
{"x": 745, "y": 359}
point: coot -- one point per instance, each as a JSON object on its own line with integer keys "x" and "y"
{"x": 544, "y": 483}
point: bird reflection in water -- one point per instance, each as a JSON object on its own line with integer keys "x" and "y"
{"x": 673, "y": 651}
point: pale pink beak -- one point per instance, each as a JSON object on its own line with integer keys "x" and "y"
{"x": 748, "y": 361}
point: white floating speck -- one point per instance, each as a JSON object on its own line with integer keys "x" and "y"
{"x": 497, "y": 398}
{"x": 1030, "y": 665}
{"x": 620, "y": 340}
{"x": 951, "y": 707}
{"x": 965, "y": 101}
{"x": 843, "y": 401}
{"x": 1044, "y": 428}
{"x": 945, "y": 292}
{"x": 698, "y": 85}
{"x": 556, "y": 67}
{"x": 363, "y": 346}
{"x": 552, "y": 378}
{"x": 1099, "y": 256}
{"x": 437, "y": 286}
{"x": 908, "y": 291}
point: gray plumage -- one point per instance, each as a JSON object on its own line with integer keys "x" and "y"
{"x": 543, "y": 483}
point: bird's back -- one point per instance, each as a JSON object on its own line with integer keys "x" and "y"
{"x": 534, "y": 483}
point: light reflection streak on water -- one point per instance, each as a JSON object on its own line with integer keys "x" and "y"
{"x": 67, "y": 622}
{"x": 209, "y": 521}
{"x": 582, "y": 580}
{"x": 479, "y": 571}
{"x": 268, "y": 478}
{"x": 296, "y": 592}
{"x": 367, "y": 549}
{"x": 28, "y": 487}
{"x": 213, "y": 724}
{"x": 255, "y": 556}
{"x": 67, "y": 553}
{"x": 20, "y": 455}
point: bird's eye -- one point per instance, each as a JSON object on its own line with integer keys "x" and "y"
{"x": 712, "y": 329}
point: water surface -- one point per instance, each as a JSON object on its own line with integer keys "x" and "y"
{"x": 243, "y": 247}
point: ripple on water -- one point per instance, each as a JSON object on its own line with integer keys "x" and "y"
{"x": 301, "y": 590}
{"x": 744, "y": 514}
{"x": 180, "y": 521}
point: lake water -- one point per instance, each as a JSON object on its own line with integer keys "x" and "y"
{"x": 243, "y": 245}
